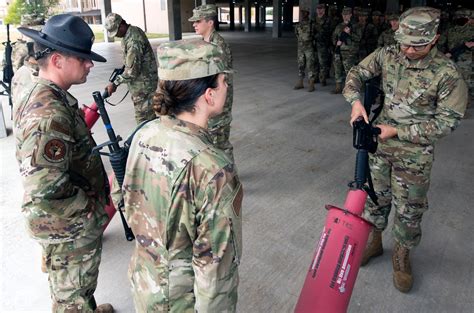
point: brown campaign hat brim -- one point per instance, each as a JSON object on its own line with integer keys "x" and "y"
{"x": 49, "y": 41}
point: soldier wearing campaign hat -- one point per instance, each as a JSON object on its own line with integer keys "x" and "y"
{"x": 182, "y": 194}
{"x": 65, "y": 184}
{"x": 425, "y": 99}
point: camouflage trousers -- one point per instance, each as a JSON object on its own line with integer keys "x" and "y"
{"x": 306, "y": 61}
{"x": 322, "y": 62}
{"x": 342, "y": 64}
{"x": 73, "y": 269}
{"x": 401, "y": 177}
{"x": 143, "y": 104}
{"x": 466, "y": 67}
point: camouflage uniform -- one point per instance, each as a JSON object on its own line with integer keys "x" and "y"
{"x": 349, "y": 50}
{"x": 305, "y": 38}
{"x": 322, "y": 37}
{"x": 386, "y": 38}
{"x": 63, "y": 183}
{"x": 369, "y": 36}
{"x": 23, "y": 48}
{"x": 22, "y": 78}
{"x": 378, "y": 23}
{"x": 183, "y": 201}
{"x": 219, "y": 126}
{"x": 458, "y": 35}
{"x": 140, "y": 72}
{"x": 424, "y": 100}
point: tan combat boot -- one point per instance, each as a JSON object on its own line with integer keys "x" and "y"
{"x": 311, "y": 85}
{"x": 299, "y": 84}
{"x": 104, "y": 308}
{"x": 374, "y": 247}
{"x": 338, "y": 89}
{"x": 402, "y": 277}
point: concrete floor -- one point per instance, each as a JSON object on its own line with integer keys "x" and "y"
{"x": 294, "y": 154}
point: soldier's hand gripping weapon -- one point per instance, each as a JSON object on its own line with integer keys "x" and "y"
{"x": 117, "y": 156}
{"x": 7, "y": 70}
{"x": 335, "y": 264}
{"x": 91, "y": 113}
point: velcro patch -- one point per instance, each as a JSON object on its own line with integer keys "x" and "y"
{"x": 54, "y": 150}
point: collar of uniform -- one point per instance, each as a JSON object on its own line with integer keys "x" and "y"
{"x": 212, "y": 34}
{"x": 420, "y": 63}
{"x": 71, "y": 101}
{"x": 185, "y": 127}
{"x": 128, "y": 33}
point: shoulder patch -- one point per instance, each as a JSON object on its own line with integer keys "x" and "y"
{"x": 54, "y": 150}
{"x": 60, "y": 128}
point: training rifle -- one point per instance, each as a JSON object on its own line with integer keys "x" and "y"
{"x": 7, "y": 70}
{"x": 117, "y": 155}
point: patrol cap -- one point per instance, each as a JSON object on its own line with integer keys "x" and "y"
{"x": 393, "y": 16}
{"x": 67, "y": 33}
{"x": 31, "y": 20}
{"x": 462, "y": 13}
{"x": 190, "y": 59}
{"x": 377, "y": 13}
{"x": 321, "y": 6}
{"x": 418, "y": 26}
{"x": 363, "y": 12}
{"x": 112, "y": 23}
{"x": 203, "y": 11}
{"x": 346, "y": 10}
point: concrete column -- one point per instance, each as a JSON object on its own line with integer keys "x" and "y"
{"x": 392, "y": 6}
{"x": 248, "y": 16}
{"x": 418, "y": 3}
{"x": 232, "y": 15}
{"x": 288, "y": 15}
{"x": 105, "y": 9}
{"x": 263, "y": 15}
{"x": 174, "y": 19}
{"x": 240, "y": 15}
{"x": 257, "y": 15}
{"x": 276, "y": 31}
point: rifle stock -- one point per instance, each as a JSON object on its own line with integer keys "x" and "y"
{"x": 8, "y": 70}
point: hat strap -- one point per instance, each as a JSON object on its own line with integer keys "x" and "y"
{"x": 39, "y": 54}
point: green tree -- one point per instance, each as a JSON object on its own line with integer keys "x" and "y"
{"x": 19, "y": 7}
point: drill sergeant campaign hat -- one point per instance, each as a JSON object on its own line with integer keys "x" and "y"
{"x": 112, "y": 23}
{"x": 190, "y": 59}
{"x": 67, "y": 33}
{"x": 203, "y": 11}
{"x": 418, "y": 26}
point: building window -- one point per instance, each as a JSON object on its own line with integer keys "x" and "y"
{"x": 163, "y": 5}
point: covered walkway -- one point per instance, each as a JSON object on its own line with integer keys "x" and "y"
{"x": 294, "y": 154}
